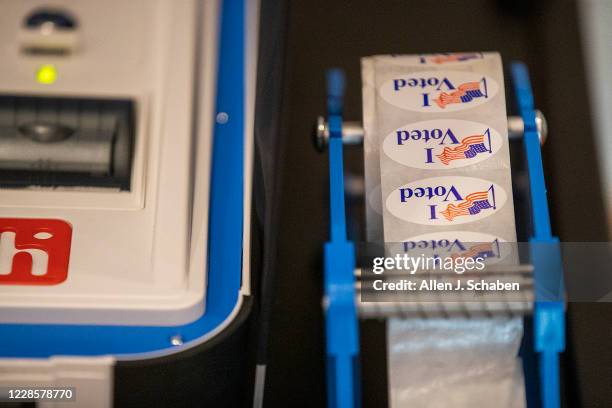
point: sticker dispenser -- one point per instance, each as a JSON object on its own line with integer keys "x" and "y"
{"x": 542, "y": 272}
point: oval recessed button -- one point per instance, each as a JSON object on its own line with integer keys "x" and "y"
{"x": 45, "y": 132}
{"x": 50, "y": 18}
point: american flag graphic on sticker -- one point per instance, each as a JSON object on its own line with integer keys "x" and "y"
{"x": 469, "y": 148}
{"x": 473, "y": 204}
{"x": 465, "y": 93}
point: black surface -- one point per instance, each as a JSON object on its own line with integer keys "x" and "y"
{"x": 326, "y": 33}
{"x": 268, "y": 150}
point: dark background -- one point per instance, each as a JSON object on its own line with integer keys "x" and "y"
{"x": 326, "y": 33}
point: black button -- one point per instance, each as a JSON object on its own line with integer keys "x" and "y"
{"x": 59, "y": 19}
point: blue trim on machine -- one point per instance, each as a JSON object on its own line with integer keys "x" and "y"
{"x": 225, "y": 233}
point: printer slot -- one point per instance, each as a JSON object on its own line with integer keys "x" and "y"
{"x": 66, "y": 142}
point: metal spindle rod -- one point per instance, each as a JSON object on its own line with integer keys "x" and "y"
{"x": 352, "y": 132}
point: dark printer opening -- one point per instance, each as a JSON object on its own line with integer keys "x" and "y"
{"x": 66, "y": 142}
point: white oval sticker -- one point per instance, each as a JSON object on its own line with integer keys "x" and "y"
{"x": 438, "y": 59}
{"x": 442, "y": 144}
{"x": 446, "y": 200}
{"x": 449, "y": 57}
{"x": 465, "y": 244}
{"x": 439, "y": 91}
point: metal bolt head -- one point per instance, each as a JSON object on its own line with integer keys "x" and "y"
{"x": 542, "y": 126}
{"x": 320, "y": 134}
{"x": 222, "y": 118}
{"x": 176, "y": 340}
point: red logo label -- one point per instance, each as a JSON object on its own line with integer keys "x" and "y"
{"x": 34, "y": 251}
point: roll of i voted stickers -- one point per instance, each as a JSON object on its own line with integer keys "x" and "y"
{"x": 436, "y": 142}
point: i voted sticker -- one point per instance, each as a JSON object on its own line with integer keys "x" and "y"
{"x": 445, "y": 58}
{"x": 453, "y": 244}
{"x": 442, "y": 144}
{"x": 449, "y": 58}
{"x": 439, "y": 91}
{"x": 446, "y": 201}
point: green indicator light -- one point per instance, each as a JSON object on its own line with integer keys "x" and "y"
{"x": 46, "y": 74}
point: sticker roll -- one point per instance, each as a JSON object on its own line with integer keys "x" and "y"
{"x": 437, "y": 169}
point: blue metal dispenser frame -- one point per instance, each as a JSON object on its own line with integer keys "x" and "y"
{"x": 342, "y": 333}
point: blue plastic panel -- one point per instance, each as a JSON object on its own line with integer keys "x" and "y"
{"x": 342, "y": 332}
{"x": 549, "y": 321}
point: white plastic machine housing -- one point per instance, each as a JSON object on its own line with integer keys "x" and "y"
{"x": 137, "y": 257}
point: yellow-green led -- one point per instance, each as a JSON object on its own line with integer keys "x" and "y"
{"x": 46, "y": 74}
